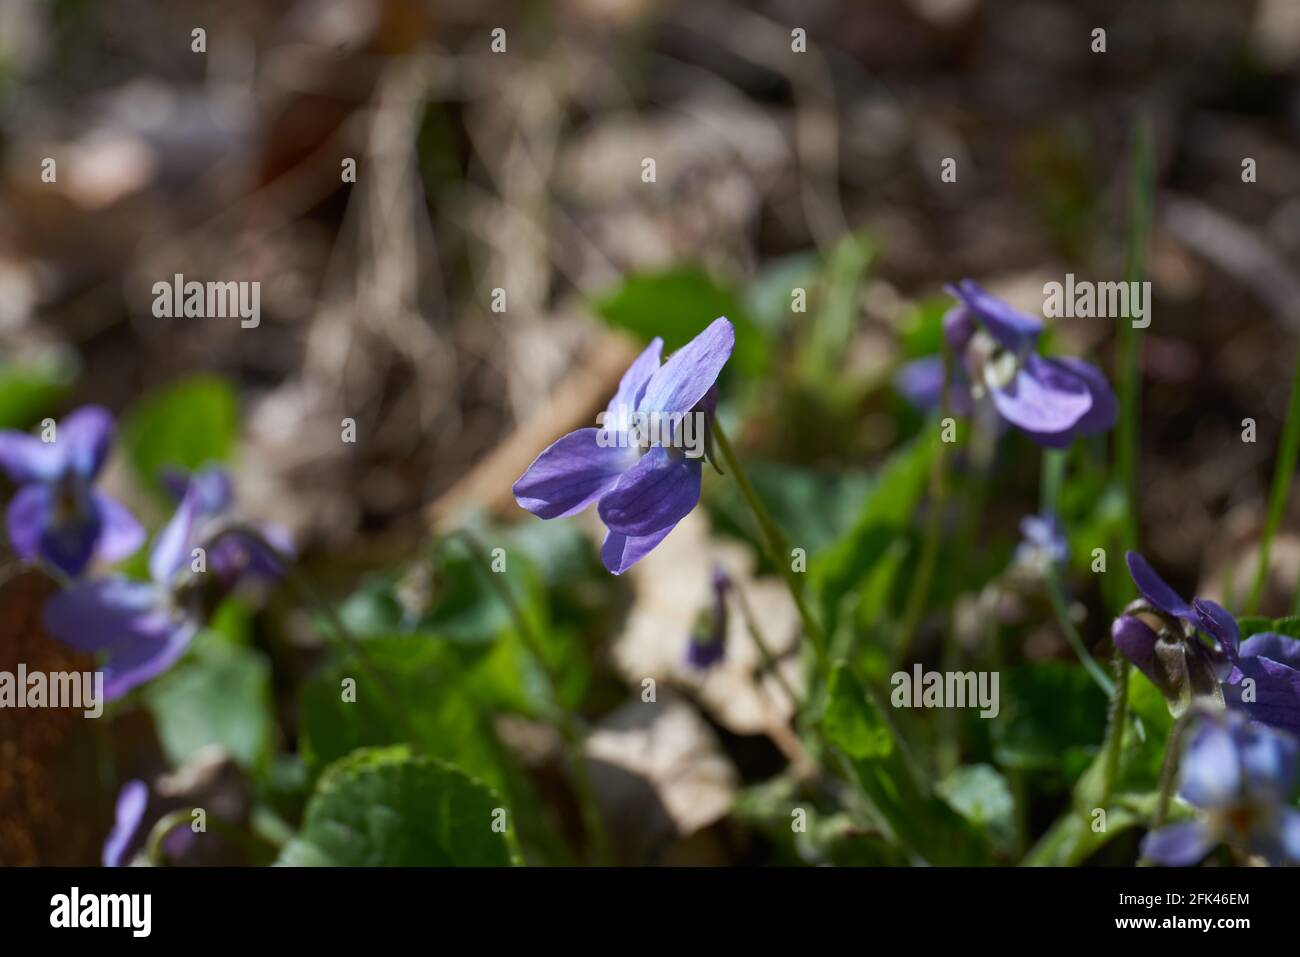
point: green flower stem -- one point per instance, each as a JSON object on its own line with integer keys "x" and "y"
{"x": 1052, "y": 474}
{"x": 932, "y": 538}
{"x": 1116, "y": 720}
{"x": 764, "y": 651}
{"x": 157, "y": 853}
{"x": 1129, "y": 380}
{"x": 562, "y": 719}
{"x": 1169, "y": 769}
{"x": 1283, "y": 472}
{"x": 778, "y": 551}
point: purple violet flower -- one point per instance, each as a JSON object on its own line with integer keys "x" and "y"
{"x": 133, "y": 819}
{"x": 1260, "y": 676}
{"x": 144, "y": 626}
{"x": 635, "y": 468}
{"x": 708, "y": 643}
{"x": 232, "y": 558}
{"x": 1265, "y": 678}
{"x": 1240, "y": 776}
{"x": 57, "y": 514}
{"x": 1173, "y": 658}
{"x": 1051, "y": 400}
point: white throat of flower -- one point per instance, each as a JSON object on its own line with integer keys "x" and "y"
{"x": 992, "y": 366}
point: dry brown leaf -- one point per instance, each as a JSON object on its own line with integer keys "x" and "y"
{"x": 55, "y": 800}
{"x": 672, "y": 586}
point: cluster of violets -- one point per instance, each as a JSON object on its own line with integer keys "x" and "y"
{"x": 1239, "y": 766}
{"x": 57, "y": 517}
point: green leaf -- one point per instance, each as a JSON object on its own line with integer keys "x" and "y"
{"x": 404, "y": 686}
{"x": 886, "y": 512}
{"x": 1289, "y": 626}
{"x": 473, "y": 608}
{"x": 836, "y": 310}
{"x": 384, "y": 807}
{"x": 193, "y": 423}
{"x": 1074, "y": 838}
{"x": 1055, "y": 718}
{"x": 921, "y": 821}
{"x": 801, "y": 832}
{"x": 220, "y": 693}
{"x": 33, "y": 387}
{"x": 979, "y": 793}
{"x": 1254, "y": 624}
{"x": 811, "y": 507}
{"x": 770, "y": 294}
{"x": 677, "y": 304}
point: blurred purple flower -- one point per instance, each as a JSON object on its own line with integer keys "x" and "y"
{"x": 130, "y": 833}
{"x": 1265, "y": 678}
{"x": 1043, "y": 542}
{"x": 144, "y": 626}
{"x": 57, "y": 514}
{"x": 232, "y": 558}
{"x": 1260, "y": 676}
{"x": 1240, "y": 776}
{"x": 1050, "y": 400}
{"x": 132, "y": 801}
{"x": 1174, "y": 659}
{"x": 642, "y": 486}
{"x": 708, "y": 644}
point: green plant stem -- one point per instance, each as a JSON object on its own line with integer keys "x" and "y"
{"x": 1283, "y": 473}
{"x": 778, "y": 551}
{"x": 1116, "y": 720}
{"x": 157, "y": 853}
{"x": 764, "y": 651}
{"x": 932, "y": 537}
{"x": 1053, "y": 471}
{"x": 1128, "y": 378}
{"x": 779, "y": 554}
{"x": 562, "y": 719}
{"x": 1169, "y": 769}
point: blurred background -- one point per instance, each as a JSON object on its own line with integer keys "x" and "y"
{"x": 515, "y": 179}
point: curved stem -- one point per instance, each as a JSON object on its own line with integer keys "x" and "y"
{"x": 777, "y": 548}
{"x": 1053, "y": 472}
{"x": 1056, "y": 592}
{"x": 764, "y": 651}
{"x": 157, "y": 853}
{"x": 1116, "y": 721}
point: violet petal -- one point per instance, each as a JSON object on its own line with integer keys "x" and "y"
{"x": 691, "y": 371}
{"x": 573, "y": 472}
{"x": 654, "y": 494}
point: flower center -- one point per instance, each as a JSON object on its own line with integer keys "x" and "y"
{"x": 71, "y": 501}
{"x": 991, "y": 365}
